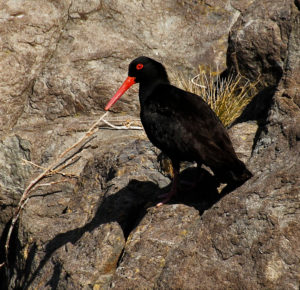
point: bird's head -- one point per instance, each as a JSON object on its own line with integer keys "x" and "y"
{"x": 145, "y": 69}
{"x": 141, "y": 70}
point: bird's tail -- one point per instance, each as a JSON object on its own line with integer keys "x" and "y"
{"x": 240, "y": 174}
{"x": 234, "y": 176}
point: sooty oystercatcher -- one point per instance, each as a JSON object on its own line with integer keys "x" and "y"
{"x": 182, "y": 125}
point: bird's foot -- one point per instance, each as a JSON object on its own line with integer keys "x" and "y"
{"x": 174, "y": 188}
{"x": 189, "y": 186}
{"x": 166, "y": 197}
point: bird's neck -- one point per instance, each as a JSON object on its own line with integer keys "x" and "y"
{"x": 146, "y": 89}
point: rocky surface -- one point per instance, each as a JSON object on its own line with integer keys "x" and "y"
{"x": 29, "y": 36}
{"x": 97, "y": 226}
{"x": 258, "y": 41}
{"x": 68, "y": 58}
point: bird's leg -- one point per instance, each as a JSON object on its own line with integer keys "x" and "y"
{"x": 174, "y": 186}
{"x": 190, "y": 185}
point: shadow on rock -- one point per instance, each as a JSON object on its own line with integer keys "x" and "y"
{"x": 198, "y": 188}
{"x": 128, "y": 206}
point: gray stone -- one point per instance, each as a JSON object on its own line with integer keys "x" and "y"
{"x": 98, "y": 228}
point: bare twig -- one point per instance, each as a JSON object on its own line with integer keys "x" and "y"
{"x": 33, "y": 183}
{"x": 63, "y": 166}
{"x": 129, "y": 127}
{"x": 33, "y": 164}
{"x": 52, "y": 183}
{"x": 55, "y": 168}
{"x": 52, "y": 172}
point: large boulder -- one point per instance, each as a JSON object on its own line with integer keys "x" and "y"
{"x": 258, "y": 41}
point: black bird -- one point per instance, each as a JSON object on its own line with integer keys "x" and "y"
{"x": 182, "y": 125}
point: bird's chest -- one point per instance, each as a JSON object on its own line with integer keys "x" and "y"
{"x": 158, "y": 128}
{"x": 152, "y": 124}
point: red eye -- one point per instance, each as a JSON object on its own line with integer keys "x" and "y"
{"x": 139, "y": 66}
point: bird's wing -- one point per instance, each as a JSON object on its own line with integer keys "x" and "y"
{"x": 184, "y": 123}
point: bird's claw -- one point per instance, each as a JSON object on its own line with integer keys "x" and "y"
{"x": 167, "y": 196}
{"x": 163, "y": 202}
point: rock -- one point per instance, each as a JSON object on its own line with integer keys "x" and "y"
{"x": 150, "y": 244}
{"x": 96, "y": 226}
{"x": 70, "y": 58}
{"x": 28, "y": 39}
{"x": 258, "y": 41}
{"x": 73, "y": 233}
{"x": 246, "y": 241}
{"x": 14, "y": 151}
{"x": 242, "y": 136}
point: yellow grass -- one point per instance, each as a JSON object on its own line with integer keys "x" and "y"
{"x": 227, "y": 97}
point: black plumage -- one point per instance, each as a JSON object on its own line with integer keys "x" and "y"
{"x": 182, "y": 124}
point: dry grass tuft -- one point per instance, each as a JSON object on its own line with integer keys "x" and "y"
{"x": 226, "y": 96}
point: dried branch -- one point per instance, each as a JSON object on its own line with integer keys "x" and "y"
{"x": 126, "y": 127}
{"x": 52, "y": 172}
{"x": 34, "y": 182}
{"x": 55, "y": 168}
{"x": 52, "y": 183}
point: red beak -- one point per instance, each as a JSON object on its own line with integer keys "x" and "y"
{"x": 126, "y": 85}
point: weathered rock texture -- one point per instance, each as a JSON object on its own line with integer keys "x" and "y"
{"x": 258, "y": 42}
{"x": 29, "y": 35}
{"x": 67, "y": 57}
{"x": 99, "y": 228}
